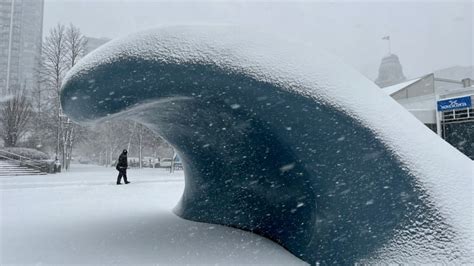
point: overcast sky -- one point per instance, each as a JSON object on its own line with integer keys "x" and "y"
{"x": 426, "y": 35}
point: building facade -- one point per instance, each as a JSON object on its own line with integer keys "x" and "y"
{"x": 94, "y": 43}
{"x": 21, "y": 32}
{"x": 422, "y": 98}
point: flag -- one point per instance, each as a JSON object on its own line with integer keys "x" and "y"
{"x": 386, "y": 38}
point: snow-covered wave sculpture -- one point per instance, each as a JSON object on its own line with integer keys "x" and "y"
{"x": 285, "y": 141}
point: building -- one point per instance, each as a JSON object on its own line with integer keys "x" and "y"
{"x": 21, "y": 30}
{"x": 94, "y": 43}
{"x": 444, "y": 105}
{"x": 455, "y": 72}
{"x": 390, "y": 71}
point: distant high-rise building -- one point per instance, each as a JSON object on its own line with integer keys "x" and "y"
{"x": 21, "y": 30}
{"x": 390, "y": 71}
{"x": 94, "y": 43}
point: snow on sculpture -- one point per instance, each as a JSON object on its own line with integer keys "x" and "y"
{"x": 285, "y": 141}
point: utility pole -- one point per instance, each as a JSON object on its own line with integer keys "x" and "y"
{"x": 389, "y": 46}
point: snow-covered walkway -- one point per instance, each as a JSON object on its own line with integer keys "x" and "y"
{"x": 82, "y": 217}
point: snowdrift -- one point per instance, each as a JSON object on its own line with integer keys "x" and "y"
{"x": 283, "y": 140}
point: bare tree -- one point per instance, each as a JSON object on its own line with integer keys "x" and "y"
{"x": 76, "y": 44}
{"x": 75, "y": 47}
{"x": 15, "y": 114}
{"x": 145, "y": 142}
{"x": 62, "y": 48}
{"x": 42, "y": 126}
{"x": 53, "y": 70}
{"x": 55, "y": 60}
{"x": 107, "y": 139}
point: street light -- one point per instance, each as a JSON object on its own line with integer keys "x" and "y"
{"x": 60, "y": 127}
{"x": 67, "y": 143}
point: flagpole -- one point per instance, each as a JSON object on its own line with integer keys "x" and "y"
{"x": 389, "y": 46}
{"x": 387, "y": 38}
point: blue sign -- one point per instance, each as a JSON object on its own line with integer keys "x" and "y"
{"x": 454, "y": 103}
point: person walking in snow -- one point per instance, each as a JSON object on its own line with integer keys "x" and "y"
{"x": 122, "y": 165}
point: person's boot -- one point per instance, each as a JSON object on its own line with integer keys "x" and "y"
{"x": 119, "y": 183}
{"x": 126, "y": 182}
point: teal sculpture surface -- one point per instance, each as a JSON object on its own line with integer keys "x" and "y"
{"x": 283, "y": 140}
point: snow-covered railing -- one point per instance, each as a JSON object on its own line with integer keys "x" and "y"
{"x": 22, "y": 160}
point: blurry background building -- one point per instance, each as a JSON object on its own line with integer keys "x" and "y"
{"x": 390, "y": 71}
{"x": 21, "y": 26}
{"x": 94, "y": 43}
{"x": 423, "y": 96}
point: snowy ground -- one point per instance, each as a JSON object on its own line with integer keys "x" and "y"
{"x": 82, "y": 217}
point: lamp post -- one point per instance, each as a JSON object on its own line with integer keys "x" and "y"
{"x": 58, "y": 135}
{"x": 67, "y": 143}
{"x": 60, "y": 132}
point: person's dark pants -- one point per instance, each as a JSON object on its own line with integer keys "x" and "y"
{"x": 122, "y": 173}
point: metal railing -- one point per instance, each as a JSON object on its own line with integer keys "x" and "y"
{"x": 458, "y": 115}
{"x": 23, "y": 161}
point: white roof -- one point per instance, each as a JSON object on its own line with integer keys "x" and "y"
{"x": 397, "y": 87}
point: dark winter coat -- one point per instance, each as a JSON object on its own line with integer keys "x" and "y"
{"x": 122, "y": 162}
